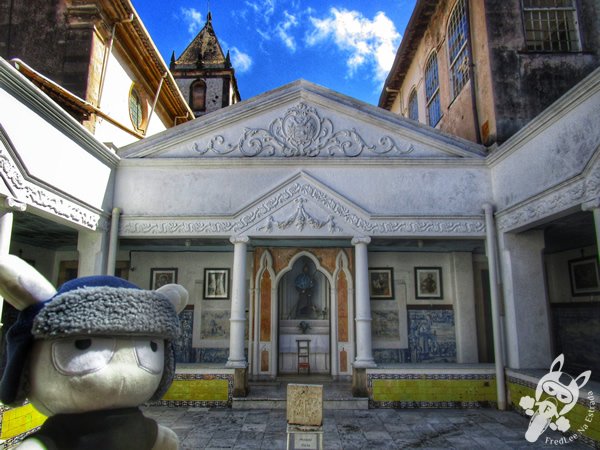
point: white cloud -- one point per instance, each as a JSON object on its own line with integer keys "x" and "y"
{"x": 242, "y": 62}
{"x": 366, "y": 42}
{"x": 264, "y": 8}
{"x": 283, "y": 29}
{"x": 193, "y": 18}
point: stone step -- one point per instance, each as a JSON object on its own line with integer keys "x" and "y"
{"x": 280, "y": 403}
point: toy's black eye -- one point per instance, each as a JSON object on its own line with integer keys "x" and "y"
{"x": 150, "y": 354}
{"x": 82, "y": 355}
{"x": 83, "y": 344}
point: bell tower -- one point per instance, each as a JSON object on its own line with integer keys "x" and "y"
{"x": 204, "y": 73}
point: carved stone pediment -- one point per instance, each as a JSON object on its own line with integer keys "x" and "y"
{"x": 302, "y": 120}
{"x": 303, "y": 207}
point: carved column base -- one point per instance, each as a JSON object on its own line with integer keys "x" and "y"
{"x": 240, "y": 382}
{"x": 359, "y": 382}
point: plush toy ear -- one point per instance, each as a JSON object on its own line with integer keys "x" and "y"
{"x": 21, "y": 285}
{"x": 559, "y": 361}
{"x": 177, "y": 295}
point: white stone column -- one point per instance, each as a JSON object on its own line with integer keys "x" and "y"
{"x": 594, "y": 206}
{"x": 364, "y": 350}
{"x": 6, "y": 226}
{"x": 238, "y": 304}
{"x": 92, "y": 248}
{"x": 113, "y": 242}
{"x": 464, "y": 295}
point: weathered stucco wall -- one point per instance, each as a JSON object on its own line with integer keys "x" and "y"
{"x": 525, "y": 83}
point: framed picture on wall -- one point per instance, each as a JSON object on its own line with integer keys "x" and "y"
{"x": 216, "y": 284}
{"x": 585, "y": 279}
{"x": 381, "y": 283}
{"x": 428, "y": 283}
{"x": 159, "y": 277}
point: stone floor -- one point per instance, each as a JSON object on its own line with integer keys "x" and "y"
{"x": 207, "y": 428}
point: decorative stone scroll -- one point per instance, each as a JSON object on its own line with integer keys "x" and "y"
{"x": 301, "y": 132}
{"x": 300, "y": 219}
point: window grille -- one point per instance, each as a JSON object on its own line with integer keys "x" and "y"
{"x": 136, "y": 108}
{"x": 432, "y": 91}
{"x": 458, "y": 34}
{"x": 551, "y": 26}
{"x": 413, "y": 106}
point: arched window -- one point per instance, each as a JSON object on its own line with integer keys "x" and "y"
{"x": 432, "y": 91}
{"x": 198, "y": 95}
{"x": 458, "y": 35}
{"x": 413, "y": 105}
{"x": 137, "y": 109}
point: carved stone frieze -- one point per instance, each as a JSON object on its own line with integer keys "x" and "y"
{"x": 301, "y": 132}
{"x": 303, "y": 192}
{"x": 561, "y": 199}
{"x": 31, "y": 194}
{"x": 300, "y": 219}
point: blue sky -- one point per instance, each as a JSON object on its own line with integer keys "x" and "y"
{"x": 347, "y": 46}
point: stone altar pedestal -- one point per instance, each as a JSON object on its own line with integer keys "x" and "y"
{"x": 304, "y": 416}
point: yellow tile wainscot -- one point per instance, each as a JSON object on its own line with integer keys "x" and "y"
{"x": 20, "y": 420}
{"x": 581, "y": 417}
{"x": 434, "y": 390}
{"x": 198, "y": 390}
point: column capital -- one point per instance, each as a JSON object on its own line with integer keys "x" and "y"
{"x": 361, "y": 240}
{"x": 239, "y": 239}
{"x": 591, "y": 204}
{"x": 12, "y": 204}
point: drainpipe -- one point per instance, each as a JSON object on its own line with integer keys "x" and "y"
{"x": 472, "y": 75}
{"x": 107, "y": 56}
{"x": 160, "y": 84}
{"x": 492, "y": 256}
{"x": 113, "y": 241}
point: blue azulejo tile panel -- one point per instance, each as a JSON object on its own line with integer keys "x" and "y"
{"x": 431, "y": 335}
{"x": 184, "y": 353}
{"x": 212, "y": 355}
{"x": 576, "y": 335}
{"x": 390, "y": 355}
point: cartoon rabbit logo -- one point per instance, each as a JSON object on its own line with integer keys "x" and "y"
{"x": 555, "y": 395}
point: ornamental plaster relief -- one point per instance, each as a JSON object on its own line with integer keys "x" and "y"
{"x": 301, "y": 132}
{"x": 30, "y": 194}
{"x": 303, "y": 208}
{"x": 552, "y": 202}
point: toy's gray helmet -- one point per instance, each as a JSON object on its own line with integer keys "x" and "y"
{"x": 98, "y": 305}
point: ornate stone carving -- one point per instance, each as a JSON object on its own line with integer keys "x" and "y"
{"x": 556, "y": 201}
{"x": 300, "y": 219}
{"x": 306, "y": 191}
{"x": 301, "y": 132}
{"x": 29, "y": 193}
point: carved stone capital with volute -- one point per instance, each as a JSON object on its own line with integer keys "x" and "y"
{"x": 361, "y": 240}
{"x": 239, "y": 239}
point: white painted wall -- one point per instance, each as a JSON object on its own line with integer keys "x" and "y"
{"x": 51, "y": 156}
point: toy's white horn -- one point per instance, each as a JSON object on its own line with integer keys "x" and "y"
{"x": 177, "y": 295}
{"x": 21, "y": 285}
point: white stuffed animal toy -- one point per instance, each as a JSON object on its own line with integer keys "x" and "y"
{"x": 88, "y": 356}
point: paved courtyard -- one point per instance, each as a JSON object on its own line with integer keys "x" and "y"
{"x": 207, "y": 428}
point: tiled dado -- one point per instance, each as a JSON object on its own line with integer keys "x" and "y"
{"x": 16, "y": 423}
{"x": 431, "y": 390}
{"x": 199, "y": 390}
{"x": 584, "y": 417}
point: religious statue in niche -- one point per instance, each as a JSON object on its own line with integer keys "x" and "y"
{"x": 305, "y": 283}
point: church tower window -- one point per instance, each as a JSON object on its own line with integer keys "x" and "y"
{"x": 198, "y": 95}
